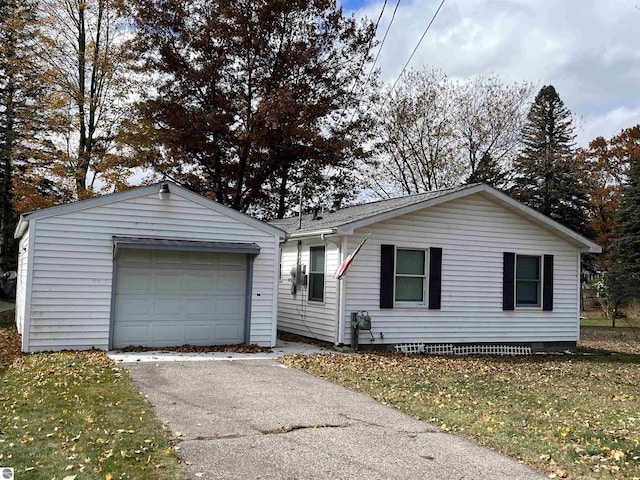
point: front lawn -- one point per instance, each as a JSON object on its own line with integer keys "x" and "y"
{"x": 76, "y": 415}
{"x": 574, "y": 417}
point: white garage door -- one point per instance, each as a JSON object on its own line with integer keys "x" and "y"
{"x": 166, "y": 298}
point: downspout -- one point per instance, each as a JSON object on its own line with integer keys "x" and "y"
{"x": 339, "y": 340}
{"x": 579, "y": 290}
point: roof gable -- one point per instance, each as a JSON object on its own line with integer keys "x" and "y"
{"x": 143, "y": 192}
{"x": 345, "y": 221}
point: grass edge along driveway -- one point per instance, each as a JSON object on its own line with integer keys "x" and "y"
{"x": 76, "y": 414}
{"x": 571, "y": 417}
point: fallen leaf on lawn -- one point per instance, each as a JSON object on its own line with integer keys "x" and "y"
{"x": 70, "y": 477}
{"x": 107, "y": 476}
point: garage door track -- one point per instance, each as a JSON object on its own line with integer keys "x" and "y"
{"x": 261, "y": 420}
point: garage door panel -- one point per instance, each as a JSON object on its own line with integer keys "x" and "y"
{"x": 228, "y": 333}
{"x": 165, "y": 333}
{"x": 199, "y": 306}
{"x": 130, "y": 279}
{"x": 199, "y": 281}
{"x": 200, "y": 258}
{"x": 133, "y": 333}
{"x": 199, "y": 300}
{"x": 132, "y": 306}
{"x": 167, "y": 256}
{"x": 195, "y": 334}
{"x": 231, "y": 282}
{"x": 168, "y": 307}
{"x": 229, "y": 307}
{"x": 232, "y": 262}
{"x": 168, "y": 281}
{"x": 135, "y": 255}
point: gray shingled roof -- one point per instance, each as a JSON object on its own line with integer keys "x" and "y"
{"x": 354, "y": 213}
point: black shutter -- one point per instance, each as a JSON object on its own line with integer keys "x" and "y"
{"x": 508, "y": 280}
{"x": 387, "y": 254}
{"x": 435, "y": 278}
{"x": 547, "y": 287}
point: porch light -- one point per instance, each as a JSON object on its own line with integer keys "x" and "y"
{"x": 164, "y": 193}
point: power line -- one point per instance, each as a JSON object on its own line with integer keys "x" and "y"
{"x": 375, "y": 30}
{"x": 415, "y": 49}
{"x": 382, "y": 43}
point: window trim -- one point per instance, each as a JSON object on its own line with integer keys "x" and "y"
{"x": 539, "y": 281}
{"x": 424, "y": 276}
{"x": 317, "y": 272}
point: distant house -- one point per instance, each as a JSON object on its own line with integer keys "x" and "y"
{"x": 467, "y": 266}
{"x": 152, "y": 266}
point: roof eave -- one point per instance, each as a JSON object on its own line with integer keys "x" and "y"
{"x": 21, "y": 227}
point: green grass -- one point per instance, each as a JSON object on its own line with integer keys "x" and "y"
{"x": 597, "y": 318}
{"x": 575, "y": 417}
{"x": 77, "y": 413}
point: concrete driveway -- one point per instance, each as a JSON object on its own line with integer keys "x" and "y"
{"x": 261, "y": 420}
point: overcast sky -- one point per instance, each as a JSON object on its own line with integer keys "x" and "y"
{"x": 588, "y": 50}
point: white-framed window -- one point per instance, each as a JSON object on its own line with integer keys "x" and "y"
{"x": 528, "y": 282}
{"x": 316, "y": 274}
{"x": 410, "y": 276}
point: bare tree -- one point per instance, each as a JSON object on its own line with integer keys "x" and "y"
{"x": 488, "y": 119}
{"x": 435, "y": 133}
{"x": 83, "y": 60}
{"x": 418, "y": 143}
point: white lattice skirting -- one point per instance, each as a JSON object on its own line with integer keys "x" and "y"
{"x": 448, "y": 349}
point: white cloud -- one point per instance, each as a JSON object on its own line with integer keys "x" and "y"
{"x": 607, "y": 124}
{"x": 587, "y": 50}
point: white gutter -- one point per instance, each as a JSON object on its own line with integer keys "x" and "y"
{"x": 317, "y": 233}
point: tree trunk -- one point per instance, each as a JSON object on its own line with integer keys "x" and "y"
{"x": 6, "y": 210}
{"x": 83, "y": 161}
{"x": 282, "y": 194}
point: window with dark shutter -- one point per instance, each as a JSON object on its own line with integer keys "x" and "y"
{"x": 508, "y": 281}
{"x": 547, "y": 288}
{"x": 387, "y": 266}
{"x": 435, "y": 278}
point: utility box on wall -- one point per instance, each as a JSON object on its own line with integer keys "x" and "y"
{"x": 360, "y": 320}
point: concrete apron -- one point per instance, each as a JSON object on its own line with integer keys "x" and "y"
{"x": 247, "y": 420}
{"x": 283, "y": 348}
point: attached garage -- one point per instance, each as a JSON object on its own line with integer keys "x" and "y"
{"x": 133, "y": 268}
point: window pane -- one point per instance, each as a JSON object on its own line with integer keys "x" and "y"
{"x": 528, "y": 268}
{"x": 527, "y": 293}
{"x": 409, "y": 289}
{"x": 317, "y": 259}
{"x": 410, "y": 262}
{"x": 316, "y": 286}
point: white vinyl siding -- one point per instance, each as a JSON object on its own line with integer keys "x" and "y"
{"x": 296, "y": 313}
{"x": 73, "y": 265}
{"x": 473, "y": 232}
{"x": 21, "y": 285}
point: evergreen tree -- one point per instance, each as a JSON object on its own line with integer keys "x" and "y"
{"x": 488, "y": 171}
{"x": 548, "y": 176}
{"x": 623, "y": 281}
{"x": 19, "y": 91}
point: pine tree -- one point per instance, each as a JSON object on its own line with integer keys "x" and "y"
{"x": 19, "y": 91}
{"x": 623, "y": 280}
{"x": 488, "y": 171}
{"x": 548, "y": 176}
